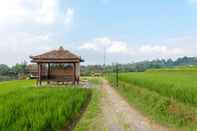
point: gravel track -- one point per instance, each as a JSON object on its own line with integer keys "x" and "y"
{"x": 118, "y": 115}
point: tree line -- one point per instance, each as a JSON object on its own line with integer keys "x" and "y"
{"x": 140, "y": 66}
{"x": 15, "y": 72}
{"x": 12, "y": 72}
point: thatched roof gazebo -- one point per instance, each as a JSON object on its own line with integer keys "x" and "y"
{"x": 58, "y": 66}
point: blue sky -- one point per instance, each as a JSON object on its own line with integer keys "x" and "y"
{"x": 130, "y": 30}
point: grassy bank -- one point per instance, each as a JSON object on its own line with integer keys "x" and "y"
{"x": 91, "y": 118}
{"x": 23, "y": 107}
{"x": 167, "y": 97}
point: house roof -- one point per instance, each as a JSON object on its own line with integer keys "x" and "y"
{"x": 57, "y": 56}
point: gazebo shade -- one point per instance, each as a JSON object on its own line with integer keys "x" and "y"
{"x": 47, "y": 68}
{"x": 57, "y": 56}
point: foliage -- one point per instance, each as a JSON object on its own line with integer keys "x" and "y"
{"x": 4, "y": 69}
{"x": 140, "y": 66}
{"x": 155, "y": 64}
{"x": 19, "y": 68}
{"x": 9, "y": 73}
{"x": 88, "y": 70}
{"x": 23, "y": 107}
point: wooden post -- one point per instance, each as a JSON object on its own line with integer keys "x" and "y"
{"x": 48, "y": 73}
{"x": 74, "y": 73}
{"x": 78, "y": 72}
{"x": 117, "y": 81}
{"x": 40, "y": 74}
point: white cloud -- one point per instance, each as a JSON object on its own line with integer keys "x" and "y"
{"x": 47, "y": 11}
{"x": 118, "y": 47}
{"x": 25, "y": 27}
{"x": 164, "y": 50}
{"x": 93, "y": 50}
{"x": 11, "y": 10}
{"x": 89, "y": 46}
{"x": 160, "y": 51}
{"x": 111, "y": 46}
{"x": 19, "y": 46}
{"x": 42, "y": 11}
{"x": 69, "y": 15}
{"x": 121, "y": 47}
{"x": 122, "y": 51}
{"x": 150, "y": 49}
{"x": 33, "y": 11}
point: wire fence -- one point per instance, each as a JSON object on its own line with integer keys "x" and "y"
{"x": 112, "y": 75}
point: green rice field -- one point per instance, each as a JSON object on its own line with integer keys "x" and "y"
{"x": 181, "y": 86}
{"x": 168, "y": 96}
{"x": 26, "y": 108}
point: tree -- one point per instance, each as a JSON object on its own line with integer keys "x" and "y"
{"x": 4, "y": 69}
{"x": 169, "y": 62}
{"x": 20, "y": 68}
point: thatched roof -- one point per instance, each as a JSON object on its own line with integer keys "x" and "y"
{"x": 57, "y": 56}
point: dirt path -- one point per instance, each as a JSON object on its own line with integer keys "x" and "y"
{"x": 118, "y": 115}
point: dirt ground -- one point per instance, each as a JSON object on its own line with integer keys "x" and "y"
{"x": 118, "y": 115}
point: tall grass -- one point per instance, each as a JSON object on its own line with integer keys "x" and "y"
{"x": 181, "y": 86}
{"x": 92, "y": 119}
{"x": 8, "y": 86}
{"x": 168, "y": 96}
{"x": 25, "y": 108}
{"x": 164, "y": 110}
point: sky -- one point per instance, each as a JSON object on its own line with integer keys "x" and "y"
{"x": 128, "y": 30}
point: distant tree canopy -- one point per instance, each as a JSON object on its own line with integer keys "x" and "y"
{"x": 19, "y": 68}
{"x": 4, "y": 69}
{"x": 7, "y": 72}
{"x": 14, "y": 71}
{"x": 141, "y": 66}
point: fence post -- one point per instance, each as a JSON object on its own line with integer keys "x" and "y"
{"x": 117, "y": 71}
{"x": 114, "y": 75}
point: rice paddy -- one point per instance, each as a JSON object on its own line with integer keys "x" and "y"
{"x": 26, "y": 108}
{"x": 180, "y": 86}
{"x": 168, "y": 96}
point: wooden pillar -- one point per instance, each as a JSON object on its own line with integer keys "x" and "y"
{"x": 40, "y": 73}
{"x": 78, "y": 73}
{"x": 74, "y": 73}
{"x": 48, "y": 73}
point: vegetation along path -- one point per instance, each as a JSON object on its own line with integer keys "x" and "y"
{"x": 120, "y": 116}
